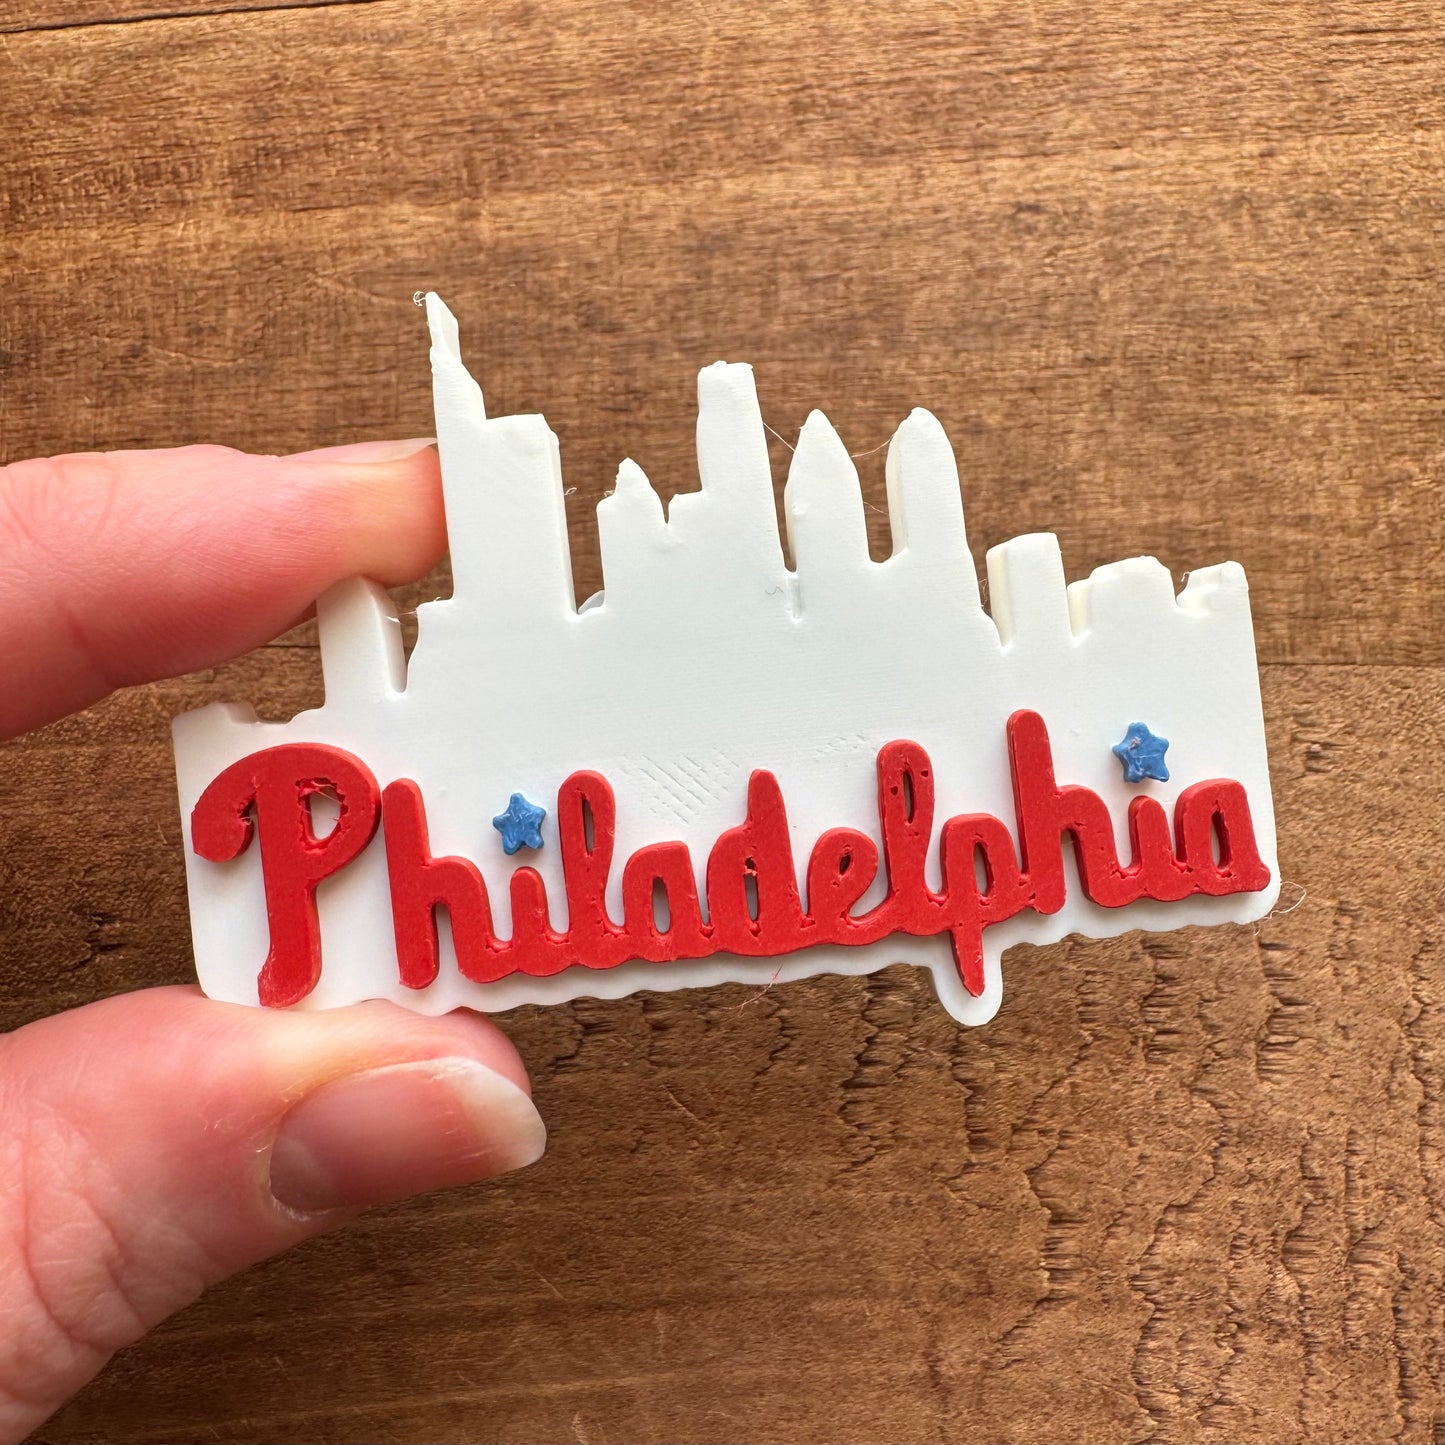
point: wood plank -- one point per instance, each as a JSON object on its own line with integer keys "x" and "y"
{"x": 1184, "y": 1187}
{"x": 1197, "y": 342}
{"x": 85, "y": 14}
{"x": 1170, "y": 276}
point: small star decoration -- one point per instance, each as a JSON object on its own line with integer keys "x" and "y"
{"x": 520, "y": 826}
{"x": 1142, "y": 754}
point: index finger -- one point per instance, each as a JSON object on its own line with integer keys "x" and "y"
{"x": 123, "y": 567}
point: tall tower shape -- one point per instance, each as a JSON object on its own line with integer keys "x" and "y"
{"x": 502, "y": 480}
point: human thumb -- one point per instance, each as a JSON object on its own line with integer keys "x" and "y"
{"x": 153, "y": 1143}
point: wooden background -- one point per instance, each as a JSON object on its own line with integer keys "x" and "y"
{"x": 1169, "y": 274}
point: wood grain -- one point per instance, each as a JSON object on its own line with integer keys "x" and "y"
{"x": 1170, "y": 276}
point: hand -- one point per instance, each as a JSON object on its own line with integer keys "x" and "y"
{"x": 154, "y": 1143}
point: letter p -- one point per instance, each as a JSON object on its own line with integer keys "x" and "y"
{"x": 269, "y": 793}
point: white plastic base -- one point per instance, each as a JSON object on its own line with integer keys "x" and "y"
{"x": 708, "y": 657}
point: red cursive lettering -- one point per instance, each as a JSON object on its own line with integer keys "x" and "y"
{"x": 753, "y": 905}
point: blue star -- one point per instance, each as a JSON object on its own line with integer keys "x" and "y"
{"x": 1142, "y": 754}
{"x": 520, "y": 826}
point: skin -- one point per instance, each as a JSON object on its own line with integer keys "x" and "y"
{"x": 132, "y": 1176}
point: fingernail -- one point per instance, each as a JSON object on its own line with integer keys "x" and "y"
{"x": 368, "y": 451}
{"x": 405, "y": 1129}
